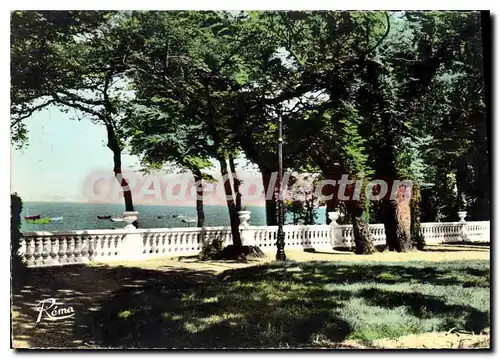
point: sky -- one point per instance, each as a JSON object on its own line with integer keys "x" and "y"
{"x": 63, "y": 155}
{"x": 60, "y": 154}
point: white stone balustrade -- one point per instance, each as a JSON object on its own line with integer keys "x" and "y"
{"x": 130, "y": 243}
{"x": 59, "y": 248}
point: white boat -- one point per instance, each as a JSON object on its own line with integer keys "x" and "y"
{"x": 56, "y": 218}
{"x": 117, "y": 219}
{"x": 189, "y": 220}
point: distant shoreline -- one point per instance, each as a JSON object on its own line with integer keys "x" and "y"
{"x": 135, "y": 204}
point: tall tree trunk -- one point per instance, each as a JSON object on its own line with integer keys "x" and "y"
{"x": 127, "y": 193}
{"x": 236, "y": 183}
{"x": 199, "y": 196}
{"x": 271, "y": 204}
{"x": 398, "y": 221}
{"x": 231, "y": 206}
{"x": 117, "y": 169}
{"x": 362, "y": 238}
{"x": 416, "y": 237}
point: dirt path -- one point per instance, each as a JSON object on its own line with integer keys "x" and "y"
{"x": 435, "y": 340}
{"x": 432, "y": 253}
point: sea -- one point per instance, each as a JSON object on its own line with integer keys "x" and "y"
{"x": 78, "y": 216}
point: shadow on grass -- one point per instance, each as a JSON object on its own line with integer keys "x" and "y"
{"x": 437, "y": 273}
{"x": 81, "y": 287}
{"x": 267, "y": 306}
{"x": 427, "y": 306}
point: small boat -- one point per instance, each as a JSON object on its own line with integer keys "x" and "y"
{"x": 56, "y": 218}
{"x": 104, "y": 217}
{"x": 35, "y": 216}
{"x": 189, "y": 220}
{"x": 117, "y": 219}
{"x": 39, "y": 221}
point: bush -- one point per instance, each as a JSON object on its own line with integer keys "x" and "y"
{"x": 211, "y": 248}
{"x": 16, "y": 206}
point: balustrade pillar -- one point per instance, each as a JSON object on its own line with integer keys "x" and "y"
{"x": 463, "y": 223}
{"x": 132, "y": 245}
{"x": 247, "y": 234}
{"x": 335, "y": 230}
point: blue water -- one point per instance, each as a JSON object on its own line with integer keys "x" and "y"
{"x": 84, "y": 216}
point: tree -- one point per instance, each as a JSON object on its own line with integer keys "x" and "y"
{"x": 77, "y": 62}
{"x": 188, "y": 70}
{"x": 326, "y": 49}
{"x": 161, "y": 136}
{"x": 392, "y": 98}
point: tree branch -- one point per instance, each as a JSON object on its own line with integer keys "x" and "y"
{"x": 31, "y": 112}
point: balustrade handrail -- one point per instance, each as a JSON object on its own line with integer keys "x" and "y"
{"x": 181, "y": 229}
{"x": 437, "y": 224}
{"x": 74, "y": 232}
{"x": 224, "y": 228}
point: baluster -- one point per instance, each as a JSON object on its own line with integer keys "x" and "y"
{"x": 175, "y": 242}
{"x": 98, "y": 247}
{"x": 158, "y": 243}
{"x": 54, "y": 248}
{"x": 179, "y": 242}
{"x": 144, "y": 243}
{"x": 30, "y": 251}
{"x": 78, "y": 248}
{"x": 90, "y": 248}
{"x": 187, "y": 241}
{"x": 159, "y": 237}
{"x": 45, "y": 250}
{"x": 70, "y": 249}
{"x": 62, "y": 250}
{"x": 151, "y": 248}
{"x": 150, "y": 244}
{"x": 103, "y": 242}
{"x": 192, "y": 241}
{"x": 163, "y": 240}
{"x": 153, "y": 243}
{"x": 119, "y": 240}
{"x": 84, "y": 251}
{"x": 38, "y": 251}
{"x": 154, "y": 239}
{"x": 170, "y": 242}
{"x": 99, "y": 250}
{"x": 109, "y": 245}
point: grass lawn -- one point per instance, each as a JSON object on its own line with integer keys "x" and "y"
{"x": 303, "y": 303}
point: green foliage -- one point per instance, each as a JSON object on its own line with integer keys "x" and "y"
{"x": 211, "y": 248}
{"x": 16, "y": 207}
